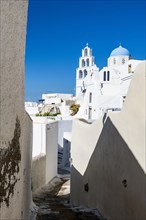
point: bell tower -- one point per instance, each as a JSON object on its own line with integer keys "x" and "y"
{"x": 86, "y": 67}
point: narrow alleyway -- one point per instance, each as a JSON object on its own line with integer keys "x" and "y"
{"x": 53, "y": 202}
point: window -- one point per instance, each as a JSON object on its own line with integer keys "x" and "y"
{"x": 85, "y": 73}
{"x": 114, "y": 61}
{"x": 87, "y": 62}
{"x": 123, "y": 61}
{"x": 104, "y": 76}
{"x": 80, "y": 74}
{"x": 108, "y": 75}
{"x": 83, "y": 63}
{"x": 129, "y": 68}
{"x": 90, "y": 97}
{"x": 86, "y": 52}
{"x": 90, "y": 114}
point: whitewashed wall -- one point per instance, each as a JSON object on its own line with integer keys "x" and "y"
{"x": 63, "y": 126}
{"x": 15, "y": 124}
{"x": 108, "y": 158}
{"x": 39, "y": 138}
{"x": 38, "y": 173}
{"x": 51, "y": 150}
{"x": 47, "y": 138}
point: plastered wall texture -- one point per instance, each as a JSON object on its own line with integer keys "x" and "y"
{"x": 38, "y": 172}
{"x": 15, "y": 124}
{"x": 108, "y": 158}
{"x": 10, "y": 158}
{"x": 47, "y": 138}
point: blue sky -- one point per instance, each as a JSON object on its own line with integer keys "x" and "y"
{"x": 57, "y": 31}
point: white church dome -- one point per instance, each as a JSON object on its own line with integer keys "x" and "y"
{"x": 120, "y": 51}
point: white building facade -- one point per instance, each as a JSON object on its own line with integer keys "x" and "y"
{"x": 56, "y": 98}
{"x": 100, "y": 91}
{"x": 52, "y": 103}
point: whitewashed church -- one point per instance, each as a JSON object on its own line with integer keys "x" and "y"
{"x": 100, "y": 91}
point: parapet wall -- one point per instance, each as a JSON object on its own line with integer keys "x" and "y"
{"x": 108, "y": 158}
{"x": 15, "y": 124}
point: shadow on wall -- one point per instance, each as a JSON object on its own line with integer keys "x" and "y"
{"x": 64, "y": 154}
{"x": 113, "y": 181}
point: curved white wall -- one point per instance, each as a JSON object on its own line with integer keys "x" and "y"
{"x": 108, "y": 158}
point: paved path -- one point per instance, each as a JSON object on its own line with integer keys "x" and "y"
{"x": 53, "y": 203}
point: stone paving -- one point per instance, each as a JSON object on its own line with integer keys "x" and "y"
{"x": 53, "y": 202}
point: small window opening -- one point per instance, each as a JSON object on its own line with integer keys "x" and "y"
{"x": 83, "y": 63}
{"x": 129, "y": 68}
{"x": 108, "y": 75}
{"x": 104, "y": 76}
{"x": 123, "y": 61}
{"x": 86, "y": 52}
{"x": 85, "y": 73}
{"x": 90, "y": 97}
{"x": 80, "y": 74}
{"x": 87, "y": 62}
